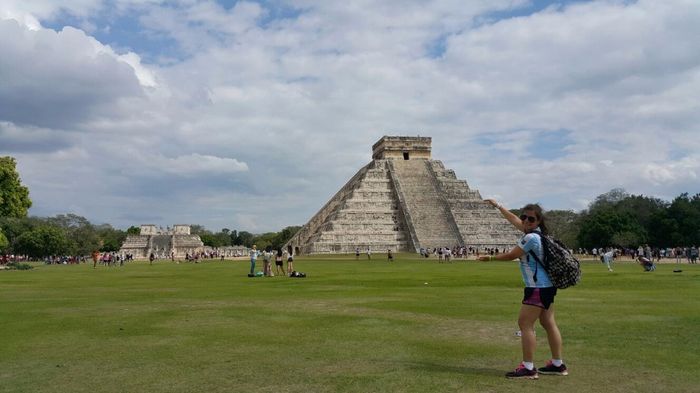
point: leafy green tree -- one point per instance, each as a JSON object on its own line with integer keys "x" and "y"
{"x": 627, "y": 239}
{"x": 4, "y": 243}
{"x": 133, "y": 230}
{"x": 564, "y": 225}
{"x": 198, "y": 230}
{"x": 111, "y": 239}
{"x": 222, "y": 239}
{"x": 14, "y": 197}
{"x": 284, "y": 235}
{"x": 264, "y": 240}
{"x": 244, "y": 239}
{"x": 85, "y": 240}
{"x": 215, "y": 239}
{"x": 12, "y": 227}
{"x": 599, "y": 228}
{"x": 664, "y": 232}
{"x": 609, "y": 199}
{"x": 617, "y": 218}
{"x": 685, "y": 211}
{"x": 642, "y": 208}
{"x": 207, "y": 239}
{"x": 43, "y": 241}
{"x": 81, "y": 234}
{"x": 68, "y": 221}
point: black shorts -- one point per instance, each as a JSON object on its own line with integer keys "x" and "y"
{"x": 540, "y": 297}
{"x": 278, "y": 263}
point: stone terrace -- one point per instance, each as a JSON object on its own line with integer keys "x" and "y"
{"x": 403, "y": 201}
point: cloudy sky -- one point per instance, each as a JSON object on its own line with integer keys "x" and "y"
{"x": 250, "y": 115}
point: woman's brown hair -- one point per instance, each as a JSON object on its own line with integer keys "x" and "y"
{"x": 539, "y": 213}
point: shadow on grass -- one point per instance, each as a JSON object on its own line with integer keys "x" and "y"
{"x": 442, "y": 368}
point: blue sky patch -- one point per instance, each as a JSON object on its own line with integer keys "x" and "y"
{"x": 275, "y": 11}
{"x": 124, "y": 33}
{"x": 436, "y": 48}
{"x": 546, "y": 145}
{"x": 551, "y": 145}
{"x": 533, "y": 7}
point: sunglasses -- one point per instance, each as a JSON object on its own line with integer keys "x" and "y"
{"x": 529, "y": 218}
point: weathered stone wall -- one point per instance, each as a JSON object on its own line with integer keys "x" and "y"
{"x": 162, "y": 243}
{"x": 422, "y": 203}
{"x": 394, "y": 147}
{"x": 479, "y": 224}
{"x": 181, "y": 229}
{"x": 363, "y": 214}
{"x": 149, "y": 230}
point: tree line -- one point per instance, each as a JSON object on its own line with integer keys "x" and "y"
{"x": 619, "y": 219}
{"x": 70, "y": 234}
{"x": 228, "y": 237}
{"x": 615, "y": 218}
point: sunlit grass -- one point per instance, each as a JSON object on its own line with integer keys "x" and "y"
{"x": 351, "y": 326}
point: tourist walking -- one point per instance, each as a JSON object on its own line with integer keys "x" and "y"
{"x": 95, "y": 257}
{"x": 357, "y": 253}
{"x": 539, "y": 293}
{"x": 369, "y": 253}
{"x": 608, "y": 258}
{"x": 678, "y": 252}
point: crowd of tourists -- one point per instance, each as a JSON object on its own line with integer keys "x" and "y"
{"x": 9, "y": 258}
{"x": 677, "y": 254}
{"x": 268, "y": 255}
{"x": 447, "y": 254}
{"x": 115, "y": 258}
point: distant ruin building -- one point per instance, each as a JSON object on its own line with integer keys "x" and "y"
{"x": 404, "y": 201}
{"x": 162, "y": 242}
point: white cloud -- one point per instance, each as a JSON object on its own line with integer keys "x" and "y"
{"x": 683, "y": 170}
{"x": 58, "y": 79}
{"x": 292, "y": 106}
{"x": 193, "y": 164}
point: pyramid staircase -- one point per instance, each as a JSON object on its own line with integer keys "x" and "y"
{"x": 403, "y": 201}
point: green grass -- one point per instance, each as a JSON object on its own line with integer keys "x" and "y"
{"x": 365, "y": 326}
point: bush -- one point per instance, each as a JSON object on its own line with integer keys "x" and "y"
{"x": 19, "y": 266}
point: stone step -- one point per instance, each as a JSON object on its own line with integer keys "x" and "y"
{"x": 428, "y": 212}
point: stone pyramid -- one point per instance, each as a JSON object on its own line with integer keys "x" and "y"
{"x": 404, "y": 201}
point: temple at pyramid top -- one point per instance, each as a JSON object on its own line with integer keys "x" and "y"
{"x": 403, "y": 200}
{"x": 402, "y": 148}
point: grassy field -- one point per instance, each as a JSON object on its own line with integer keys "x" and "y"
{"x": 350, "y": 326}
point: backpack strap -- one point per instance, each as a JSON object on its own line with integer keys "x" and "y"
{"x": 537, "y": 260}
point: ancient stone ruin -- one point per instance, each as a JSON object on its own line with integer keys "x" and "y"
{"x": 162, "y": 242}
{"x": 403, "y": 201}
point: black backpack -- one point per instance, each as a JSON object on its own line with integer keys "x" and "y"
{"x": 563, "y": 268}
